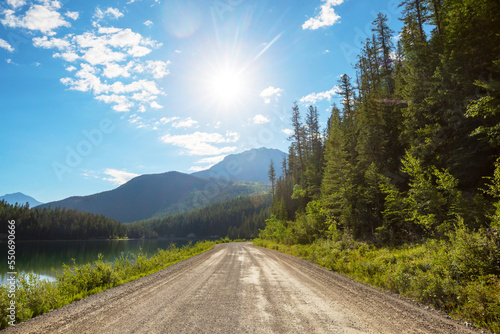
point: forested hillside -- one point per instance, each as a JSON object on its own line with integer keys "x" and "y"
{"x": 414, "y": 143}
{"x": 410, "y": 157}
{"x": 58, "y": 224}
{"x": 242, "y": 217}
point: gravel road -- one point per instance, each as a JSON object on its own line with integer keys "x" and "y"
{"x": 240, "y": 288}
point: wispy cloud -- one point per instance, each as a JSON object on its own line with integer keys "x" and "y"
{"x": 208, "y": 162}
{"x": 260, "y": 119}
{"x": 288, "y": 132}
{"x": 313, "y": 98}
{"x": 110, "y": 12}
{"x": 203, "y": 143}
{"x": 72, "y": 15}
{"x": 326, "y": 17}
{"x": 271, "y": 93}
{"x": 118, "y": 177}
{"x": 16, "y": 3}
{"x": 165, "y": 120}
{"x": 187, "y": 123}
{"x": 148, "y": 23}
{"x": 5, "y": 45}
{"x": 211, "y": 160}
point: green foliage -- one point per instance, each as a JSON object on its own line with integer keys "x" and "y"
{"x": 35, "y": 296}
{"x": 274, "y": 230}
{"x": 432, "y": 196}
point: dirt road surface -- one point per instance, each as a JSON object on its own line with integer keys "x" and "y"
{"x": 240, "y": 288}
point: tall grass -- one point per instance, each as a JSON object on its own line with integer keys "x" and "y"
{"x": 459, "y": 276}
{"x": 35, "y": 296}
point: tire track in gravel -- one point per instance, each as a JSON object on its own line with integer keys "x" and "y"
{"x": 240, "y": 288}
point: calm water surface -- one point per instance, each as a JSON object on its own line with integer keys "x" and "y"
{"x": 40, "y": 257}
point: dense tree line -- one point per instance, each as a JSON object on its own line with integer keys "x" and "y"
{"x": 412, "y": 148}
{"x": 242, "y": 217}
{"x": 58, "y": 224}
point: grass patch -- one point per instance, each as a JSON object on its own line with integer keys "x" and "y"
{"x": 35, "y": 296}
{"x": 459, "y": 276}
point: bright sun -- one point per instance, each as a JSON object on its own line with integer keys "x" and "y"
{"x": 227, "y": 86}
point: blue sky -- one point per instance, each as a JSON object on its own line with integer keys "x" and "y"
{"x": 94, "y": 93}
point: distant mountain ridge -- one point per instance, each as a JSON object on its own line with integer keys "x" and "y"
{"x": 157, "y": 195}
{"x": 251, "y": 165}
{"x": 139, "y": 198}
{"x": 20, "y": 199}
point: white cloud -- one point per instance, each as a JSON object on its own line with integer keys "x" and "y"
{"x": 138, "y": 51}
{"x": 9, "y": 61}
{"x": 69, "y": 56}
{"x": 260, "y": 119}
{"x": 198, "y": 168}
{"x": 105, "y": 60}
{"x": 5, "y": 45}
{"x": 113, "y": 70}
{"x": 101, "y": 55}
{"x": 132, "y": 1}
{"x": 315, "y": 97}
{"x": 44, "y": 18}
{"x": 288, "y": 132}
{"x": 112, "y": 45}
{"x": 165, "y": 120}
{"x": 270, "y": 93}
{"x": 187, "y": 123}
{"x": 211, "y": 160}
{"x": 158, "y": 68}
{"x": 72, "y": 15}
{"x": 155, "y": 105}
{"x": 16, "y": 3}
{"x": 178, "y": 51}
{"x": 326, "y": 51}
{"x": 111, "y": 12}
{"x": 148, "y": 23}
{"x": 326, "y": 17}
{"x": 202, "y": 143}
{"x": 52, "y": 43}
{"x": 122, "y": 104}
{"x": 118, "y": 177}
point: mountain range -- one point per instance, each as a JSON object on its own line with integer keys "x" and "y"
{"x": 157, "y": 195}
{"x": 20, "y": 198}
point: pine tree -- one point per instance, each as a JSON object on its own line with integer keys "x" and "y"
{"x": 272, "y": 177}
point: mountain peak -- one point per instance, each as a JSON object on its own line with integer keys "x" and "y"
{"x": 20, "y": 198}
{"x": 250, "y": 165}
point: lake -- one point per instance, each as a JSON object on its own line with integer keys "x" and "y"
{"x": 40, "y": 257}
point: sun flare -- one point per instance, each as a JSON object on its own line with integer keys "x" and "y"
{"x": 227, "y": 86}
